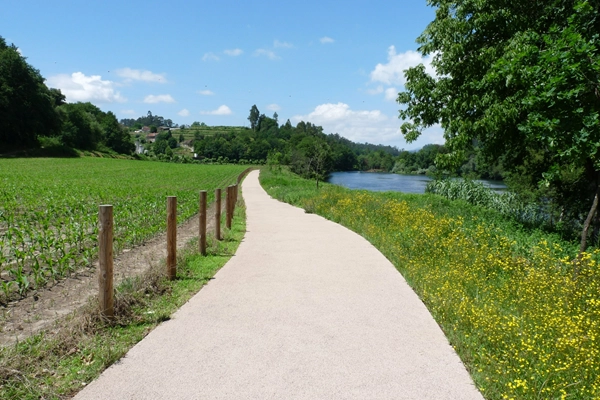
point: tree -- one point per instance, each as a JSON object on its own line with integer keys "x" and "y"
{"x": 116, "y": 137}
{"x": 160, "y": 146}
{"x": 84, "y": 126}
{"x": 519, "y": 79}
{"x": 80, "y": 128}
{"x": 254, "y": 117}
{"x": 312, "y": 159}
{"x": 26, "y": 104}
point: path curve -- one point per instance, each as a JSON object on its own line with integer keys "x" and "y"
{"x": 306, "y": 309}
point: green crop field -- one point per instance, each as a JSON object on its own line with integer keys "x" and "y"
{"x": 49, "y": 210}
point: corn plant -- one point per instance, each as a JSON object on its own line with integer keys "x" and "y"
{"x": 49, "y": 210}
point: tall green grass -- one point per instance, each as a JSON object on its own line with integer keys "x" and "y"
{"x": 506, "y": 203}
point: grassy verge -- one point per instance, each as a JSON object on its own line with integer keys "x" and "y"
{"x": 524, "y": 325}
{"x": 56, "y": 365}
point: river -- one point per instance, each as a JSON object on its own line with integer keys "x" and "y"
{"x": 381, "y": 181}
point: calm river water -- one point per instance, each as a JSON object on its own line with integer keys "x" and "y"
{"x": 381, "y": 181}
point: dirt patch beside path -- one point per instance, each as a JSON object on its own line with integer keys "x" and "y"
{"x": 39, "y": 310}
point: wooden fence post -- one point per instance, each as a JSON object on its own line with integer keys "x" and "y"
{"x": 202, "y": 228}
{"x": 237, "y": 186}
{"x": 171, "y": 237}
{"x": 229, "y": 201}
{"x": 105, "y": 254}
{"x": 218, "y": 214}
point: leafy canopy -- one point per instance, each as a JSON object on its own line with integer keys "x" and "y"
{"x": 511, "y": 76}
{"x": 518, "y": 80}
{"x": 26, "y": 104}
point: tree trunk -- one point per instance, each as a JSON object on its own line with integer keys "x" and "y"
{"x": 590, "y": 217}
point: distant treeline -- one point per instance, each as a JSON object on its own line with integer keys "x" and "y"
{"x": 148, "y": 120}
{"x": 291, "y": 145}
{"x": 286, "y": 144}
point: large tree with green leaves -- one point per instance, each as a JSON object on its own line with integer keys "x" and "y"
{"x": 26, "y": 104}
{"x": 86, "y": 127}
{"x": 312, "y": 158}
{"x": 254, "y": 117}
{"x": 520, "y": 80}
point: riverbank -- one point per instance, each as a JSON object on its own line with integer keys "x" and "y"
{"x": 504, "y": 296}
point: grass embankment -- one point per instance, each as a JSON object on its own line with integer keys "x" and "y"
{"x": 49, "y": 210}
{"x": 57, "y": 365}
{"x": 506, "y": 297}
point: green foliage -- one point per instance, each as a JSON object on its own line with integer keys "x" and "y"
{"x": 30, "y": 111}
{"x": 520, "y": 80}
{"x": 419, "y": 162}
{"x": 312, "y": 158}
{"x": 507, "y": 204}
{"x": 254, "y": 117}
{"x": 49, "y": 210}
{"x": 80, "y": 128}
{"x": 116, "y": 137}
{"x": 148, "y": 120}
{"x": 26, "y": 104}
{"x": 86, "y": 127}
{"x": 254, "y": 146}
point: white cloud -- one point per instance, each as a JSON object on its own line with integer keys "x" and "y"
{"x": 233, "y": 52}
{"x": 210, "y": 57}
{"x": 391, "y": 94}
{"x": 80, "y": 87}
{"x": 128, "y": 112}
{"x": 377, "y": 90}
{"x": 222, "y": 110}
{"x": 358, "y": 126}
{"x": 286, "y": 45}
{"x": 161, "y": 98}
{"x": 325, "y": 40}
{"x": 206, "y": 92}
{"x": 371, "y": 126}
{"x": 184, "y": 113}
{"x": 392, "y": 73}
{"x": 267, "y": 53}
{"x": 273, "y": 107}
{"x": 140, "y": 75}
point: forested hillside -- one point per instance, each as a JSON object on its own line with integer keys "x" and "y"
{"x": 31, "y": 114}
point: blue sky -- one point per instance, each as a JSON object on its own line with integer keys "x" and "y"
{"x": 335, "y": 64}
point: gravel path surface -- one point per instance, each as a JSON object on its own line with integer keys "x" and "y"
{"x": 306, "y": 309}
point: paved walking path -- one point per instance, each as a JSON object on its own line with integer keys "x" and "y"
{"x": 306, "y": 309}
